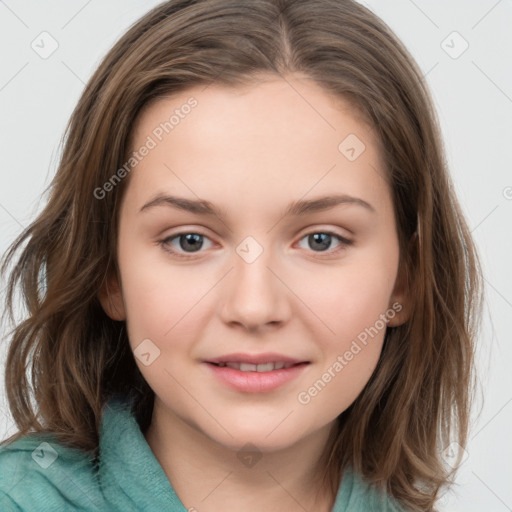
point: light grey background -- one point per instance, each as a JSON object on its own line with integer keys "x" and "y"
{"x": 473, "y": 95}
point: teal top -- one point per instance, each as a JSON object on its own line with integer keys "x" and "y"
{"x": 39, "y": 474}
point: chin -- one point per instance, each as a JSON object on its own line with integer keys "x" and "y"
{"x": 245, "y": 439}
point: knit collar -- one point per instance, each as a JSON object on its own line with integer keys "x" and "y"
{"x": 130, "y": 475}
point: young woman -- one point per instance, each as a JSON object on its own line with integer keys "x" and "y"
{"x": 252, "y": 286}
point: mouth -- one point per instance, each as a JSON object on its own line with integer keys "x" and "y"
{"x": 262, "y": 367}
{"x": 256, "y": 374}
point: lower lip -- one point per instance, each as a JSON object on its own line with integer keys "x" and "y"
{"x": 256, "y": 382}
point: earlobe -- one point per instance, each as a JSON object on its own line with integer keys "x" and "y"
{"x": 401, "y": 298}
{"x": 400, "y": 301}
{"x": 111, "y": 299}
{"x": 399, "y": 310}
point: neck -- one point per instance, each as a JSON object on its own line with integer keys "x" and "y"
{"x": 210, "y": 477}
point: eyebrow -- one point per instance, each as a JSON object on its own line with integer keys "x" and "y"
{"x": 297, "y": 208}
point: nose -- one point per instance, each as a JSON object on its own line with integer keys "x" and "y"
{"x": 254, "y": 295}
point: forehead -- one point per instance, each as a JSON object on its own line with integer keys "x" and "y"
{"x": 292, "y": 97}
{"x": 273, "y": 137}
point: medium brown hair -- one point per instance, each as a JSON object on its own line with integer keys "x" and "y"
{"x": 418, "y": 398}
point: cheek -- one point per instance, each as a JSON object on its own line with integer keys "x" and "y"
{"x": 163, "y": 319}
{"x": 349, "y": 356}
{"x": 163, "y": 312}
{"x": 352, "y": 305}
{"x": 347, "y": 300}
{"x": 159, "y": 298}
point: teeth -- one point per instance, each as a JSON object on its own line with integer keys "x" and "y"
{"x": 264, "y": 367}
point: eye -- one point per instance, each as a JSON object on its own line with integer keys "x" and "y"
{"x": 321, "y": 240}
{"x": 189, "y": 242}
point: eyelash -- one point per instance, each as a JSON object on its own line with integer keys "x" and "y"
{"x": 164, "y": 243}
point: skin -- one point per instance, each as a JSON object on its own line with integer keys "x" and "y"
{"x": 251, "y": 151}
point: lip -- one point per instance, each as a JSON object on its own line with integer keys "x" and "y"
{"x": 267, "y": 357}
{"x": 255, "y": 382}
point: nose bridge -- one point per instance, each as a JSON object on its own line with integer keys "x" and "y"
{"x": 256, "y": 295}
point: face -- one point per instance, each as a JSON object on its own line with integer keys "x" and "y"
{"x": 264, "y": 270}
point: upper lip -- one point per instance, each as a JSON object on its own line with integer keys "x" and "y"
{"x": 269, "y": 357}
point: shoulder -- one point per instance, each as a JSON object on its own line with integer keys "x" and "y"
{"x": 356, "y": 494}
{"x": 39, "y": 473}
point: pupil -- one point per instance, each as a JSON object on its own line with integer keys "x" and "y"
{"x": 317, "y": 238}
{"x": 193, "y": 240}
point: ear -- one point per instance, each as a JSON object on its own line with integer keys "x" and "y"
{"x": 111, "y": 298}
{"x": 401, "y": 298}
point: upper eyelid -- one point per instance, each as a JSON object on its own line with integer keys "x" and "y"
{"x": 313, "y": 228}
{"x": 342, "y": 239}
{"x": 304, "y": 233}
